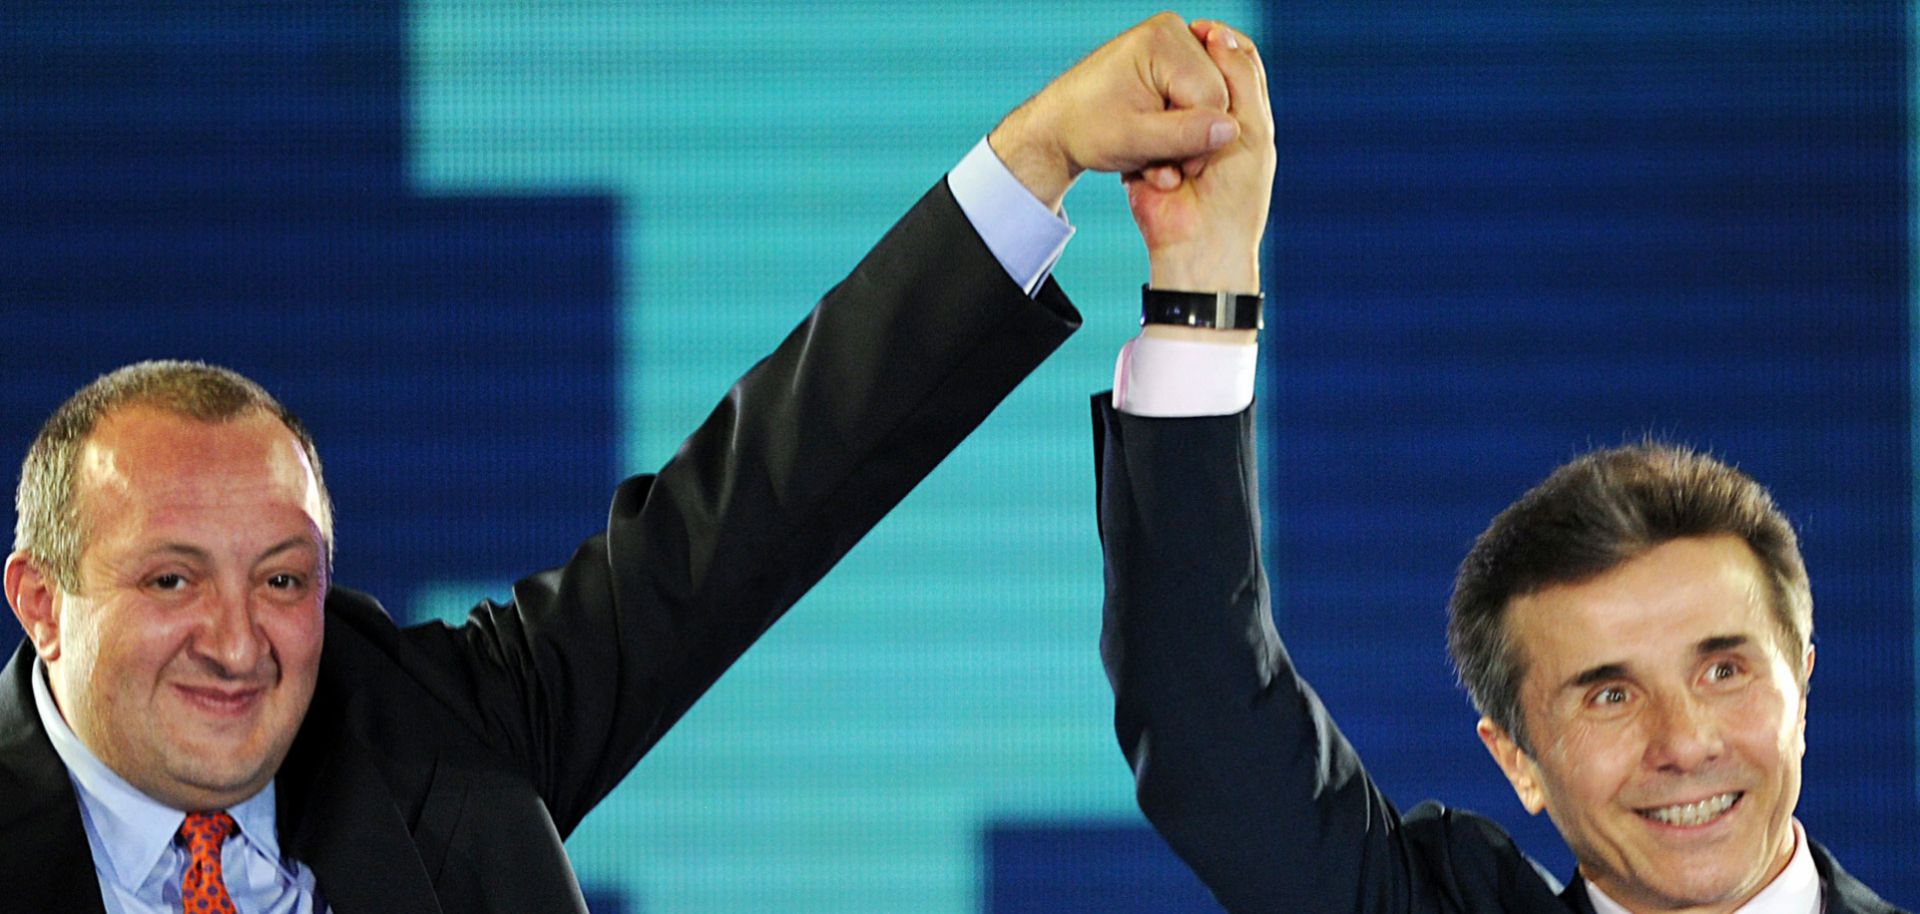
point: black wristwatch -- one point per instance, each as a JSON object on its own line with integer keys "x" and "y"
{"x": 1218, "y": 310}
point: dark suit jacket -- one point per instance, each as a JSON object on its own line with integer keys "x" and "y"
{"x": 439, "y": 768}
{"x": 1238, "y": 765}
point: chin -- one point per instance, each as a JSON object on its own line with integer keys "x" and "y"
{"x": 221, "y": 779}
{"x": 1699, "y": 886}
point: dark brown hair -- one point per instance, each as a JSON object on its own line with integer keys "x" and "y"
{"x": 1592, "y": 515}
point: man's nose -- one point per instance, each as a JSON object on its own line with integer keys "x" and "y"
{"x": 1685, "y": 733}
{"x": 229, "y": 636}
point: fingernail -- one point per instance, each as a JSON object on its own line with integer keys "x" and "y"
{"x": 1233, "y": 41}
{"x": 1219, "y": 133}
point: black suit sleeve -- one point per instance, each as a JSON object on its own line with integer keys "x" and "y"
{"x": 591, "y": 663}
{"x": 1237, "y": 763}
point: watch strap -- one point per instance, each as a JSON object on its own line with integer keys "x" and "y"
{"x": 1217, "y": 310}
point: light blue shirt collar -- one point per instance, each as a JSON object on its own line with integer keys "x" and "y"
{"x": 131, "y": 833}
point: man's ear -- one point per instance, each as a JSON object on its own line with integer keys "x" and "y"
{"x": 35, "y": 600}
{"x": 1515, "y": 763}
{"x": 1806, "y": 686}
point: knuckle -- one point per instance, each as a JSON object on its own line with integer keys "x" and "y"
{"x": 1163, "y": 26}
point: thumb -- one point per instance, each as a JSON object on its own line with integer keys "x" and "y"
{"x": 1178, "y": 135}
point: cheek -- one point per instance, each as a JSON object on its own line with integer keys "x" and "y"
{"x": 1570, "y": 738}
{"x": 1770, "y": 722}
{"x": 1800, "y": 729}
{"x": 79, "y": 639}
{"x": 120, "y": 643}
{"x": 112, "y": 661}
{"x": 296, "y": 636}
{"x": 1591, "y": 759}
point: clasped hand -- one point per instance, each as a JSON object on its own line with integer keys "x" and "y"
{"x": 1181, "y": 111}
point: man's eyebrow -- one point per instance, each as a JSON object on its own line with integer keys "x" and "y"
{"x": 1718, "y": 643}
{"x": 195, "y": 553}
{"x": 289, "y": 544}
{"x": 1606, "y": 671}
{"x": 183, "y": 550}
{"x": 1595, "y": 674}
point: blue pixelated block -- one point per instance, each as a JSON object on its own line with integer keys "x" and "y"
{"x": 1505, "y": 237}
{"x": 1064, "y": 868}
{"x": 602, "y": 900}
{"x": 227, "y": 182}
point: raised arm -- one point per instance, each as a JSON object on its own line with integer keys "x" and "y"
{"x": 1237, "y": 764}
{"x": 591, "y": 663}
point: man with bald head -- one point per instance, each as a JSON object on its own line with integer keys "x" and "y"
{"x": 186, "y": 486}
{"x": 170, "y": 567}
{"x": 201, "y": 720}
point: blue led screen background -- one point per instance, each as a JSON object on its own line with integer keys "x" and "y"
{"x": 500, "y": 254}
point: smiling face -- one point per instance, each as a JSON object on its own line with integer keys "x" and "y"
{"x": 1667, "y": 725}
{"x": 188, "y": 658}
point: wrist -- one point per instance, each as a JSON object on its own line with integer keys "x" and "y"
{"x": 1040, "y": 165}
{"x": 1203, "y": 268}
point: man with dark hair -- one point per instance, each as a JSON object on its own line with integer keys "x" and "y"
{"x": 1592, "y": 515}
{"x": 199, "y": 720}
{"x": 1635, "y": 632}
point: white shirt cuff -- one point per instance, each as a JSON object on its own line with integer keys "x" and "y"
{"x": 1165, "y": 378}
{"x": 1023, "y": 234}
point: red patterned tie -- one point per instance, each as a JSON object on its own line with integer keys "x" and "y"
{"x": 202, "y": 891}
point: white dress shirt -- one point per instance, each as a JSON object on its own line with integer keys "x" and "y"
{"x": 1160, "y": 377}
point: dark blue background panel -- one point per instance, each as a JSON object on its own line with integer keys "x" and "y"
{"x": 1501, "y": 235}
{"x": 1505, "y": 235}
{"x": 1091, "y": 867}
{"x": 156, "y": 101}
{"x": 609, "y": 901}
{"x": 226, "y": 182}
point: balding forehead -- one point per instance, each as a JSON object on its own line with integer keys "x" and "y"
{"x": 99, "y": 465}
{"x": 156, "y": 448}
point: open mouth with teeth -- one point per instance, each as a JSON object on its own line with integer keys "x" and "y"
{"x": 1688, "y": 815}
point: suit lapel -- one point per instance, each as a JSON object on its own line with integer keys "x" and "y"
{"x": 38, "y": 809}
{"x": 1575, "y": 895}
{"x": 338, "y": 817}
{"x": 1842, "y": 893}
{"x": 1839, "y": 891}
